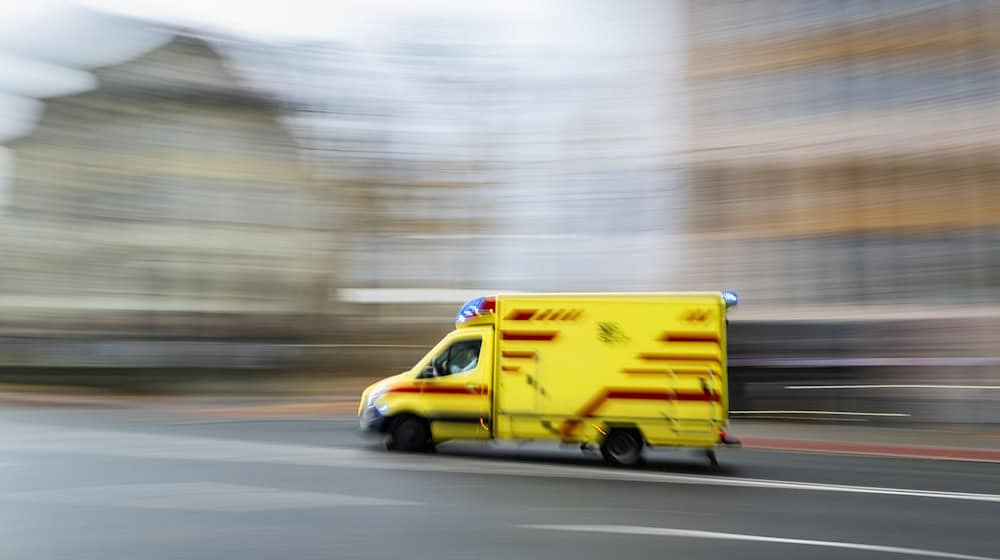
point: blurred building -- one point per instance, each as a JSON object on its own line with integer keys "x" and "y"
{"x": 843, "y": 164}
{"x": 169, "y": 202}
{"x": 484, "y": 154}
{"x": 846, "y": 152}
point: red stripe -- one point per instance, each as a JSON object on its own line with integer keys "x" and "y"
{"x": 404, "y": 389}
{"x": 452, "y": 390}
{"x": 521, "y": 315}
{"x": 594, "y": 404}
{"x": 675, "y": 371}
{"x": 646, "y": 394}
{"x": 440, "y": 390}
{"x": 696, "y": 371}
{"x": 541, "y": 316}
{"x": 528, "y": 335}
{"x": 569, "y": 426}
{"x": 646, "y": 370}
{"x": 510, "y": 368}
{"x": 517, "y": 354}
{"x": 574, "y": 315}
{"x": 679, "y": 357}
{"x": 690, "y": 337}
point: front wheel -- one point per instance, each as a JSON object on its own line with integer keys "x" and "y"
{"x": 409, "y": 433}
{"x": 622, "y": 447}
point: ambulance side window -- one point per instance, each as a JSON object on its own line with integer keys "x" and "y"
{"x": 460, "y": 357}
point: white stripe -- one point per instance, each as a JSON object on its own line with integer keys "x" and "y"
{"x": 412, "y": 295}
{"x": 821, "y": 412}
{"x": 206, "y": 449}
{"x": 528, "y": 236}
{"x": 685, "y": 533}
{"x": 862, "y": 362}
{"x": 198, "y": 496}
{"x": 458, "y": 296}
{"x": 360, "y": 345}
{"x": 896, "y": 386}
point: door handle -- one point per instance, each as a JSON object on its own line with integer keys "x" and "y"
{"x": 472, "y": 386}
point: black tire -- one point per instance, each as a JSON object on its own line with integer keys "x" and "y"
{"x": 409, "y": 433}
{"x": 622, "y": 448}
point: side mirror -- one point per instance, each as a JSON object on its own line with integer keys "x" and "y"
{"x": 429, "y": 371}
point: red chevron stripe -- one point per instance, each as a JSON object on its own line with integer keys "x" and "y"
{"x": 521, "y": 315}
{"x": 528, "y": 335}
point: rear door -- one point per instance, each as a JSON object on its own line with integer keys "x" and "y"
{"x": 687, "y": 354}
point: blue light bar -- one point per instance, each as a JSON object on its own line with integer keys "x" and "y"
{"x": 730, "y": 298}
{"x": 469, "y": 310}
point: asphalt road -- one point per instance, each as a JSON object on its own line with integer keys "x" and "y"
{"x": 111, "y": 485}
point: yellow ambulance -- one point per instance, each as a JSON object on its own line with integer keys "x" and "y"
{"x": 615, "y": 371}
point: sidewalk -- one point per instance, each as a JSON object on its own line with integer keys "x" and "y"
{"x": 946, "y": 442}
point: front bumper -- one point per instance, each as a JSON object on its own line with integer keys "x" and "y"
{"x": 372, "y": 420}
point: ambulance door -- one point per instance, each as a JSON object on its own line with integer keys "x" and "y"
{"x": 518, "y": 392}
{"x": 455, "y": 386}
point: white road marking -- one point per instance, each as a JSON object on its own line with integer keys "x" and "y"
{"x": 897, "y": 386}
{"x": 685, "y": 533}
{"x": 865, "y": 362}
{"x": 196, "y": 496}
{"x": 158, "y": 446}
{"x": 821, "y": 413}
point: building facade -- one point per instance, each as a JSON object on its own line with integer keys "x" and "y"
{"x": 169, "y": 202}
{"x": 846, "y": 152}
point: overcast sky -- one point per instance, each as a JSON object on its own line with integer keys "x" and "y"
{"x": 49, "y": 47}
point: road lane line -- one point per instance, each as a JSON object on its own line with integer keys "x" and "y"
{"x": 896, "y": 386}
{"x": 198, "y": 496}
{"x": 823, "y": 413}
{"x": 162, "y": 446}
{"x": 685, "y": 533}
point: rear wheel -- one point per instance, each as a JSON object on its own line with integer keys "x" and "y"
{"x": 409, "y": 433}
{"x": 622, "y": 447}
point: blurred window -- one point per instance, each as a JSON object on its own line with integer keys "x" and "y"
{"x": 943, "y": 80}
{"x": 460, "y": 357}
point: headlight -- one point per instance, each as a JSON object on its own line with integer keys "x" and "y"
{"x": 374, "y": 396}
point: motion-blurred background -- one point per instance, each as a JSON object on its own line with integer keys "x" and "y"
{"x": 285, "y": 193}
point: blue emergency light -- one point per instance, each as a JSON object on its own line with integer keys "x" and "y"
{"x": 730, "y": 298}
{"x": 476, "y": 308}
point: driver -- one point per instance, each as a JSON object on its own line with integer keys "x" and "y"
{"x": 466, "y": 358}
